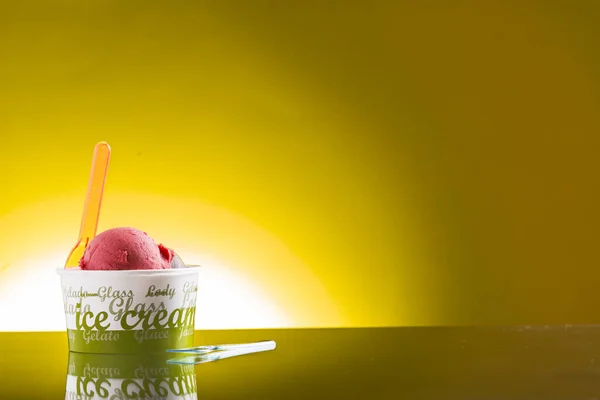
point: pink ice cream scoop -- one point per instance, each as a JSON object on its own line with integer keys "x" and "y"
{"x": 125, "y": 249}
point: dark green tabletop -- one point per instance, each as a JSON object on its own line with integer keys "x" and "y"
{"x": 536, "y": 362}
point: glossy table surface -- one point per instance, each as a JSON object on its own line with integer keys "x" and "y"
{"x": 525, "y": 362}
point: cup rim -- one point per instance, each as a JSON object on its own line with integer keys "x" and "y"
{"x": 136, "y": 272}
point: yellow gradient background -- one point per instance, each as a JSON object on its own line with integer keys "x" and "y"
{"x": 330, "y": 163}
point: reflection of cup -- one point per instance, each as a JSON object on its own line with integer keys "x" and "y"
{"x": 129, "y": 311}
{"x": 128, "y": 376}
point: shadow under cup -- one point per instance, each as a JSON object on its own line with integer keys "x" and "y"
{"x": 128, "y": 312}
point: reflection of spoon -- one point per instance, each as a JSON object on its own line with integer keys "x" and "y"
{"x": 93, "y": 201}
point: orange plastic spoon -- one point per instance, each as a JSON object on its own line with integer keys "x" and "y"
{"x": 93, "y": 201}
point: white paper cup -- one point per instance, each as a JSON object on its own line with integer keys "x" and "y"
{"x": 129, "y": 311}
{"x": 128, "y": 376}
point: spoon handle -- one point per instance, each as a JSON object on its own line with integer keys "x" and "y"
{"x": 93, "y": 201}
{"x": 219, "y": 355}
{"x": 261, "y": 346}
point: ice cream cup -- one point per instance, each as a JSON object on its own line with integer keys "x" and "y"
{"x": 128, "y": 312}
{"x": 128, "y": 376}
